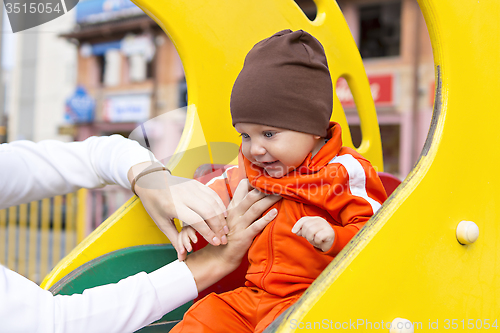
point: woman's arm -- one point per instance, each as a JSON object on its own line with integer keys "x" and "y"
{"x": 122, "y": 307}
{"x": 32, "y": 171}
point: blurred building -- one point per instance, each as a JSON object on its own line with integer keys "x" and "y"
{"x": 39, "y": 73}
{"x": 114, "y": 63}
{"x": 394, "y": 43}
{"x": 395, "y": 46}
{"x": 127, "y": 65}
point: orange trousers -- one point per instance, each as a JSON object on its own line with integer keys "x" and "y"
{"x": 246, "y": 309}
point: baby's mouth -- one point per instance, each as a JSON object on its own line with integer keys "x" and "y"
{"x": 266, "y": 164}
{"x": 272, "y": 166}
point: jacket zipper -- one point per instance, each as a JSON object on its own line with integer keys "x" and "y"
{"x": 271, "y": 255}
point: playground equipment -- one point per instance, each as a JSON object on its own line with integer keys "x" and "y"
{"x": 406, "y": 262}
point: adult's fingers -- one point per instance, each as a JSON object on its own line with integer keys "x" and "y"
{"x": 250, "y": 199}
{"x": 206, "y": 213}
{"x": 219, "y": 205}
{"x": 215, "y": 213}
{"x": 199, "y": 198}
{"x": 240, "y": 193}
{"x": 194, "y": 220}
{"x": 255, "y": 228}
{"x": 169, "y": 229}
{"x": 259, "y": 206}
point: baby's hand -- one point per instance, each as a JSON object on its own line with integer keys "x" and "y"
{"x": 184, "y": 239}
{"x": 316, "y": 230}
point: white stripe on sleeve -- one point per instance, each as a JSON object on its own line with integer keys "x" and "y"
{"x": 223, "y": 176}
{"x": 357, "y": 178}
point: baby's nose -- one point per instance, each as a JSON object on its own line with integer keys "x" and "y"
{"x": 257, "y": 149}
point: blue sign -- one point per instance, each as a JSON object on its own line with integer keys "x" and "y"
{"x": 80, "y": 107}
{"x": 127, "y": 108}
{"x": 95, "y": 11}
{"x": 102, "y": 48}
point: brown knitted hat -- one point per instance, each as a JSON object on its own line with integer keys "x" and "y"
{"x": 285, "y": 82}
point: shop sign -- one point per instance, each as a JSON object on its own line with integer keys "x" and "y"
{"x": 79, "y": 107}
{"x": 381, "y": 87}
{"x": 127, "y": 108}
{"x": 97, "y": 11}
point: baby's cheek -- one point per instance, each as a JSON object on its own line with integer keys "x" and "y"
{"x": 246, "y": 152}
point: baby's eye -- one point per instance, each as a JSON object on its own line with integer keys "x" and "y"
{"x": 268, "y": 134}
{"x": 244, "y": 135}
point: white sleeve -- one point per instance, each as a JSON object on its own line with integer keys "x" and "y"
{"x": 125, "y": 306}
{"x": 32, "y": 171}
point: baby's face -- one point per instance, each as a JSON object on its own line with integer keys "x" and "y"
{"x": 278, "y": 151}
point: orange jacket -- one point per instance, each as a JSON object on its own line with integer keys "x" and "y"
{"x": 337, "y": 184}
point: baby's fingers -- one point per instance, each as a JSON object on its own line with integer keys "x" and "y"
{"x": 325, "y": 235}
{"x": 299, "y": 224}
{"x": 181, "y": 251}
{"x": 186, "y": 240}
{"x": 183, "y": 244}
{"x": 192, "y": 235}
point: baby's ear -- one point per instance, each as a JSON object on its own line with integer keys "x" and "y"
{"x": 317, "y": 137}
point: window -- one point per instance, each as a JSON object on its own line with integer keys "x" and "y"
{"x": 101, "y": 64}
{"x": 390, "y": 136}
{"x": 380, "y": 30}
{"x": 183, "y": 93}
{"x": 150, "y": 69}
{"x": 308, "y": 7}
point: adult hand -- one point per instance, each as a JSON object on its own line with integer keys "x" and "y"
{"x": 166, "y": 197}
{"x": 211, "y": 263}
